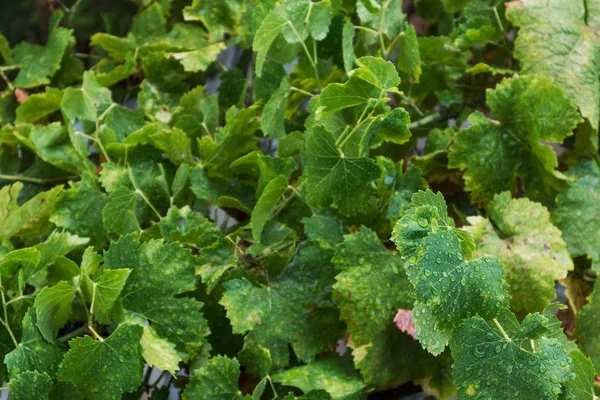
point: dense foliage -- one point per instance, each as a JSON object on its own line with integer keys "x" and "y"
{"x": 299, "y": 199}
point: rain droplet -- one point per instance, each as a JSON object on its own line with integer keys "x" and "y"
{"x": 423, "y": 222}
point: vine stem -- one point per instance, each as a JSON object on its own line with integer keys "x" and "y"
{"x": 304, "y": 92}
{"x": 380, "y": 31}
{"x": 425, "y": 121}
{"x": 73, "y": 333}
{"x": 40, "y": 181}
{"x": 5, "y": 320}
{"x": 508, "y": 339}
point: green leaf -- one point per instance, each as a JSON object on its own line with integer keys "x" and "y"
{"x": 217, "y": 379}
{"x": 389, "y": 127}
{"x": 53, "y": 144}
{"x": 29, "y": 219}
{"x": 509, "y": 359}
{"x": 393, "y": 358}
{"x": 333, "y": 375}
{"x": 335, "y": 178}
{"x": 103, "y": 292}
{"x": 348, "y": 46}
{"x": 79, "y": 211}
{"x": 33, "y": 353}
{"x": 409, "y": 58}
{"x": 517, "y": 133}
{"x": 582, "y": 386}
{"x": 531, "y": 249}
{"x": 87, "y": 103}
{"x": 328, "y": 231}
{"x": 578, "y": 212}
{"x": 119, "y": 215}
{"x": 157, "y": 352}
{"x": 37, "y": 64}
{"x": 367, "y": 84}
{"x": 105, "y": 369}
{"x": 39, "y": 105}
{"x": 427, "y": 330}
{"x": 286, "y": 313}
{"x": 587, "y": 327}
{"x": 295, "y": 20}
{"x": 199, "y": 60}
{"x": 371, "y": 287}
{"x": 53, "y": 308}
{"x": 272, "y": 122}
{"x": 30, "y": 385}
{"x": 455, "y": 289}
{"x": 266, "y": 205}
{"x": 217, "y": 16}
{"x": 159, "y": 272}
{"x": 571, "y": 59}
{"x": 269, "y": 29}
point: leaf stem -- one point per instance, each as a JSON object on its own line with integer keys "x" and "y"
{"x": 8, "y": 82}
{"x": 40, "y": 181}
{"x": 380, "y": 31}
{"x": 508, "y": 339}
{"x": 17, "y": 299}
{"x": 91, "y": 313}
{"x": 73, "y": 333}
{"x": 5, "y": 320}
{"x": 95, "y": 334}
{"x": 425, "y": 121}
{"x": 295, "y": 89}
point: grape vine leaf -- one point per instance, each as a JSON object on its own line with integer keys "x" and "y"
{"x": 569, "y": 52}
{"x": 33, "y": 353}
{"x": 217, "y": 379}
{"x": 30, "y": 385}
{"x": 328, "y": 231}
{"x": 587, "y": 327}
{"x": 495, "y": 153}
{"x": 104, "y": 370}
{"x": 455, "y": 289}
{"x": 102, "y": 292}
{"x": 79, "y": 211}
{"x": 159, "y": 272}
{"x": 266, "y": 205}
{"x": 582, "y": 386}
{"x": 427, "y": 330}
{"x": 38, "y": 64}
{"x": 157, "y": 352}
{"x": 284, "y": 313}
{"x": 409, "y": 58}
{"x": 393, "y": 358}
{"x": 29, "y": 219}
{"x": 272, "y": 122}
{"x": 334, "y": 177}
{"x": 577, "y": 214}
{"x": 368, "y": 83}
{"x": 335, "y": 375}
{"x": 508, "y": 359}
{"x": 39, "y": 105}
{"x": 371, "y": 287}
{"x": 295, "y": 20}
{"x": 531, "y": 249}
{"x": 53, "y": 308}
